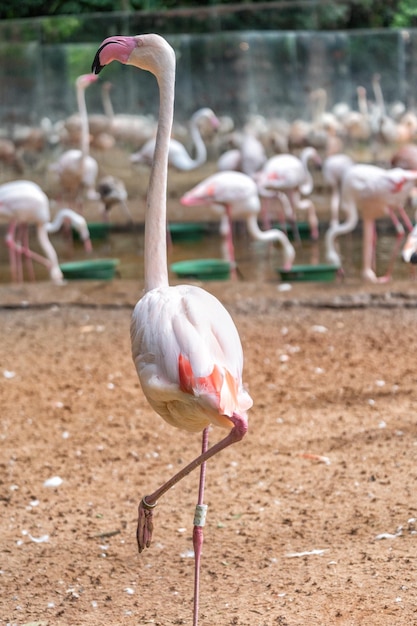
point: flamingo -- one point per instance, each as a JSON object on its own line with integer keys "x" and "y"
{"x": 286, "y": 174}
{"x": 357, "y": 124}
{"x": 334, "y": 168}
{"x": 113, "y": 191}
{"x": 126, "y": 128}
{"x": 249, "y": 157}
{"x": 406, "y": 157}
{"x": 23, "y": 202}
{"x": 185, "y": 345}
{"x": 376, "y": 193}
{"x": 178, "y": 156}
{"x": 235, "y": 196}
{"x": 76, "y": 169}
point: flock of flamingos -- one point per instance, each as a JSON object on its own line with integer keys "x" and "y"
{"x": 185, "y": 346}
{"x": 249, "y": 185}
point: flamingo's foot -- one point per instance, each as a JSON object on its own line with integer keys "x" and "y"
{"x": 370, "y": 276}
{"x": 340, "y": 273}
{"x": 145, "y": 524}
{"x": 382, "y": 280}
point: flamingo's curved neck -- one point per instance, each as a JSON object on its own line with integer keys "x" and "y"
{"x": 336, "y": 229}
{"x": 156, "y": 270}
{"x": 63, "y": 214}
{"x": 270, "y": 235}
{"x": 307, "y": 187}
{"x": 46, "y": 245}
{"x": 199, "y": 145}
{"x": 85, "y": 130}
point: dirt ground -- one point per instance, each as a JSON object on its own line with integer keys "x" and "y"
{"x": 312, "y": 518}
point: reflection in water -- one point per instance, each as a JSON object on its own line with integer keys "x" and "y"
{"x": 257, "y": 261}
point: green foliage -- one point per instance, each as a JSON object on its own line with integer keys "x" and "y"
{"x": 59, "y": 29}
{"x": 406, "y": 15}
{"x": 318, "y": 15}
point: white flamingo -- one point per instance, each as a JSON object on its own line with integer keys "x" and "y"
{"x": 234, "y": 196}
{"x": 76, "y": 169}
{"x": 23, "y": 202}
{"x": 185, "y": 345}
{"x": 178, "y": 156}
{"x": 288, "y": 175}
{"x": 249, "y": 157}
{"x": 375, "y": 193}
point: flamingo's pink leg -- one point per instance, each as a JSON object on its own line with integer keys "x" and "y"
{"x": 266, "y": 213}
{"x": 230, "y": 244}
{"x": 398, "y": 240}
{"x": 24, "y": 229}
{"x": 199, "y": 521}
{"x": 11, "y": 244}
{"x": 294, "y": 198}
{"x": 148, "y": 503}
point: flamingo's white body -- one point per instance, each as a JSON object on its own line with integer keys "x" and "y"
{"x": 76, "y": 169}
{"x": 185, "y": 346}
{"x": 23, "y": 202}
{"x": 249, "y": 157}
{"x": 374, "y": 193}
{"x": 178, "y": 156}
{"x": 234, "y": 196}
{"x": 288, "y": 175}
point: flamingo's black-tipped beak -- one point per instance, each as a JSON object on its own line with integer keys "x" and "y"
{"x": 97, "y": 66}
{"x": 413, "y": 258}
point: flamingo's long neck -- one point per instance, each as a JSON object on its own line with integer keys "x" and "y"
{"x": 200, "y": 147}
{"x": 274, "y": 234}
{"x": 156, "y": 270}
{"x": 85, "y": 130}
{"x": 307, "y": 186}
{"x": 60, "y": 217}
{"x": 348, "y": 205}
{"x": 46, "y": 246}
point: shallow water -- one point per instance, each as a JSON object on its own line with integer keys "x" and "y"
{"x": 256, "y": 261}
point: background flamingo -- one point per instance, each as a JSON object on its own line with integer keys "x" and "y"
{"x": 375, "y": 193}
{"x": 185, "y": 345}
{"x": 289, "y": 175}
{"x": 113, "y": 191}
{"x": 23, "y": 202}
{"x": 406, "y": 157}
{"x": 235, "y": 196}
{"x": 132, "y": 130}
{"x": 76, "y": 170}
{"x": 178, "y": 156}
{"x": 249, "y": 157}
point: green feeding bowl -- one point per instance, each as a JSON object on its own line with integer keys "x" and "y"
{"x": 97, "y": 230}
{"x": 202, "y": 269}
{"x": 304, "y": 230}
{"x": 94, "y": 269}
{"x": 318, "y": 273}
{"x": 186, "y": 231}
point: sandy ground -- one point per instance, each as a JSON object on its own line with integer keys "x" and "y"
{"x": 311, "y": 518}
